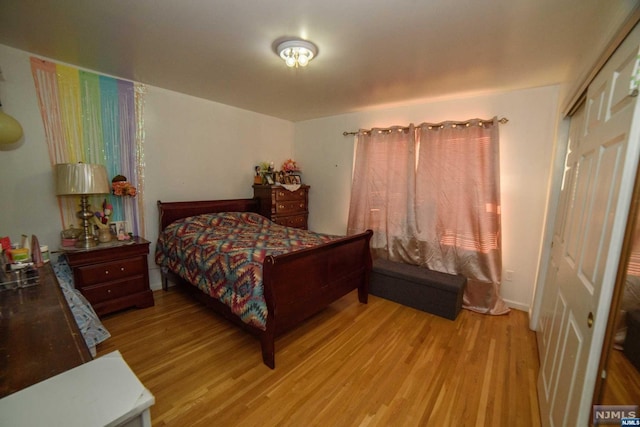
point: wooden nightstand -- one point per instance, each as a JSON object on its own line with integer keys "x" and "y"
{"x": 284, "y": 207}
{"x": 113, "y": 277}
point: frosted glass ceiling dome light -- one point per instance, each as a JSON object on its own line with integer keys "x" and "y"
{"x": 297, "y": 53}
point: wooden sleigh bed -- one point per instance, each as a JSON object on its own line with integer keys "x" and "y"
{"x": 296, "y": 284}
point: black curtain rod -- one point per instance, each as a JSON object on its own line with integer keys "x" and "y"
{"x": 503, "y": 120}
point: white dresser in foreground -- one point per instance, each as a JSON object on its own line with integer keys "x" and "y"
{"x": 102, "y": 392}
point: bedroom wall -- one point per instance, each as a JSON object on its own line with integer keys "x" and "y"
{"x": 194, "y": 149}
{"x": 197, "y": 149}
{"x": 526, "y": 153}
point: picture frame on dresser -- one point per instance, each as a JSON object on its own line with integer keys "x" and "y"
{"x": 269, "y": 178}
{"x": 121, "y": 229}
{"x": 292, "y": 179}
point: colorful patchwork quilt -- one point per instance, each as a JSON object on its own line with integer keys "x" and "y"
{"x": 222, "y": 254}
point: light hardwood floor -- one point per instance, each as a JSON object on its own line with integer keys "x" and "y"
{"x": 380, "y": 364}
{"x": 623, "y": 381}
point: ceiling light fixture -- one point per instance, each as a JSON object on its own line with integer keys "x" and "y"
{"x": 296, "y": 52}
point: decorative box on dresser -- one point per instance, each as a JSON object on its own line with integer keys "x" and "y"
{"x": 113, "y": 277}
{"x": 284, "y": 207}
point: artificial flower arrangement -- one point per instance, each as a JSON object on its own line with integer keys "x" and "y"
{"x": 121, "y": 187}
{"x": 290, "y": 166}
{"x": 265, "y": 173}
{"x": 101, "y": 219}
{"x": 265, "y": 167}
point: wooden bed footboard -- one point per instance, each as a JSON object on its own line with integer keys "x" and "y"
{"x": 297, "y": 285}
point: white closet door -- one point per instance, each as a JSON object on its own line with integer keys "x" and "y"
{"x": 589, "y": 229}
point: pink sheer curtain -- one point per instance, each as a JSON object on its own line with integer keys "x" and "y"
{"x": 382, "y": 190}
{"x": 444, "y": 214}
{"x": 458, "y": 207}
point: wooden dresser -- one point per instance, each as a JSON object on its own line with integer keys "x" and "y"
{"x": 39, "y": 337}
{"x": 113, "y": 277}
{"x": 284, "y": 207}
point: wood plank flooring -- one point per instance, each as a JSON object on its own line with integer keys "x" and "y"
{"x": 623, "y": 381}
{"x": 379, "y": 364}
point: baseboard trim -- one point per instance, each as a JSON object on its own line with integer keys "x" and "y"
{"x": 517, "y": 305}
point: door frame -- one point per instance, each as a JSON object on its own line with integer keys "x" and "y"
{"x": 560, "y": 154}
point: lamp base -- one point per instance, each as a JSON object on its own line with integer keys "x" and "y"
{"x": 86, "y": 240}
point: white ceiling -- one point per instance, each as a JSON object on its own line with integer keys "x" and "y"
{"x": 371, "y": 53}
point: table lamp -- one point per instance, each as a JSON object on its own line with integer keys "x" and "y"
{"x": 82, "y": 179}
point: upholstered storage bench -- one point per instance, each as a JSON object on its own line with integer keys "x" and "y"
{"x": 632, "y": 340}
{"x": 418, "y": 287}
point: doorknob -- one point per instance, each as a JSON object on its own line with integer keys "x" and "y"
{"x": 590, "y": 319}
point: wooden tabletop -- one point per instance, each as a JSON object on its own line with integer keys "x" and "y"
{"x": 39, "y": 337}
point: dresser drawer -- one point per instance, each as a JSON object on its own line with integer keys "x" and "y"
{"x": 290, "y": 207}
{"x": 284, "y": 207}
{"x": 109, "y": 271}
{"x": 298, "y": 221}
{"x": 114, "y": 289}
{"x": 282, "y": 194}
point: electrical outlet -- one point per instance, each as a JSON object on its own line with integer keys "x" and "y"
{"x": 508, "y": 275}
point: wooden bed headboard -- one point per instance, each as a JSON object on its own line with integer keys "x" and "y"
{"x": 172, "y": 211}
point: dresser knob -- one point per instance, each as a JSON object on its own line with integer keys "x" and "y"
{"x": 108, "y": 291}
{"x": 121, "y": 268}
{"x": 106, "y": 272}
{"x": 281, "y": 206}
{"x": 302, "y": 205}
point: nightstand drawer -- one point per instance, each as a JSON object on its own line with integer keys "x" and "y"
{"x": 290, "y": 207}
{"x": 282, "y": 194}
{"x": 116, "y": 289}
{"x": 100, "y": 273}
